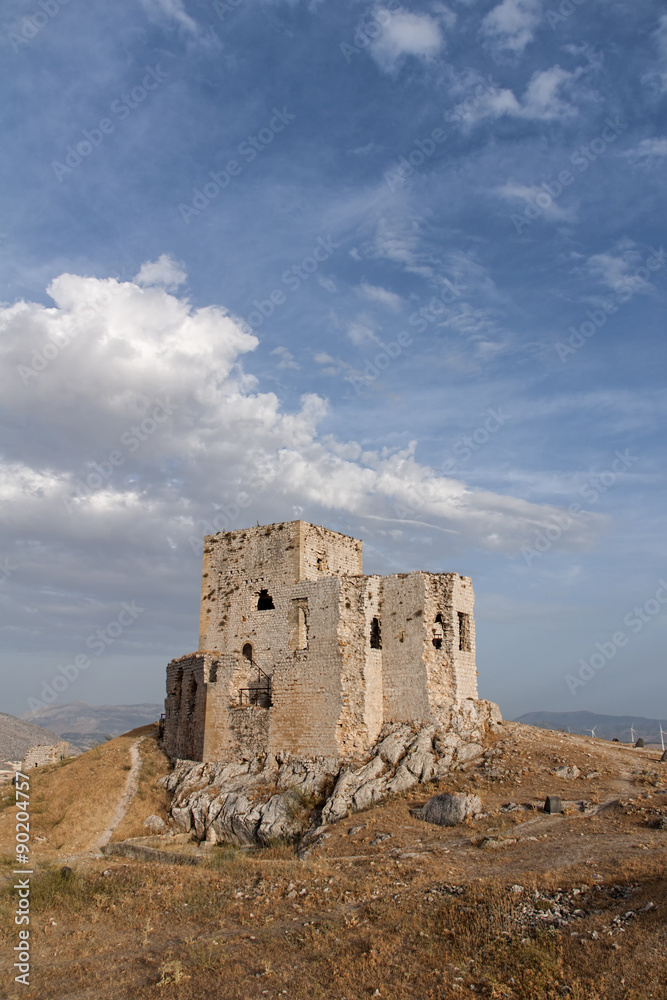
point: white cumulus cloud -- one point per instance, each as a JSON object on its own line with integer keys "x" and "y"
{"x": 403, "y": 34}
{"x": 135, "y": 430}
{"x": 164, "y": 271}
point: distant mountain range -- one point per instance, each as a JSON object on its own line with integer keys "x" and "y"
{"x": 18, "y": 736}
{"x": 86, "y": 725}
{"x": 606, "y": 726}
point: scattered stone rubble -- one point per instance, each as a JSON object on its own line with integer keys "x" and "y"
{"x": 563, "y": 907}
{"x": 263, "y": 799}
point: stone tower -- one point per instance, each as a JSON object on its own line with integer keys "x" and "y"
{"x": 300, "y": 653}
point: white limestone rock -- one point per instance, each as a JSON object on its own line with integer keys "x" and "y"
{"x": 469, "y": 752}
{"x": 569, "y": 773}
{"x": 393, "y": 746}
{"x": 273, "y": 797}
{"x": 155, "y": 824}
{"x": 402, "y": 780}
{"x": 368, "y": 793}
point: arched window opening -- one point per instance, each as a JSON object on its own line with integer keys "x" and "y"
{"x": 376, "y": 639}
{"x": 247, "y": 651}
{"x": 265, "y": 601}
{"x": 438, "y": 631}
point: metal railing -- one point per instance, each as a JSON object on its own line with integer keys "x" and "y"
{"x": 259, "y": 694}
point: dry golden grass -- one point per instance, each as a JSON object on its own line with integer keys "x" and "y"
{"x": 72, "y": 803}
{"x": 63, "y": 815}
{"x": 229, "y": 930}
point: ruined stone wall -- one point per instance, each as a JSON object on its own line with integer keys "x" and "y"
{"x": 220, "y": 739}
{"x": 328, "y": 553}
{"x": 242, "y": 564}
{"x": 465, "y": 670}
{"x": 185, "y": 705}
{"x": 441, "y": 635}
{"x": 294, "y": 641}
{"x": 307, "y": 681}
{"x": 249, "y": 732}
{"x": 404, "y": 635}
{"x": 361, "y": 715}
{"x": 39, "y": 756}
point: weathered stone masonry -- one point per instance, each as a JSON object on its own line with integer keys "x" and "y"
{"x": 300, "y": 653}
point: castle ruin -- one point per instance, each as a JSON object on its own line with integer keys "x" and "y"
{"x": 300, "y": 653}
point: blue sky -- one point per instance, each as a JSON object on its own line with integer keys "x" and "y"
{"x": 396, "y": 269}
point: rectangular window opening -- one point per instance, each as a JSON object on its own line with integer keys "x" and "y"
{"x": 464, "y": 631}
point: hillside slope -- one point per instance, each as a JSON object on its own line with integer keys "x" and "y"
{"x": 514, "y": 905}
{"x": 607, "y": 727}
{"x": 17, "y": 736}
{"x": 72, "y": 803}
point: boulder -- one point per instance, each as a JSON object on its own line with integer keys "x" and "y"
{"x": 449, "y": 809}
{"x": 569, "y": 773}
{"x": 155, "y": 824}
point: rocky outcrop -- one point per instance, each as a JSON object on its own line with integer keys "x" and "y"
{"x": 408, "y": 754}
{"x": 279, "y": 797}
{"x": 254, "y": 801}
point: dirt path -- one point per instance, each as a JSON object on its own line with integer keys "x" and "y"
{"x": 124, "y": 802}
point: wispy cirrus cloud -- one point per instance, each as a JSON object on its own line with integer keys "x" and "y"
{"x": 381, "y": 296}
{"x": 647, "y": 152}
{"x": 527, "y": 193}
{"x": 170, "y": 11}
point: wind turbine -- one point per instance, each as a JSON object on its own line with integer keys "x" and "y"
{"x": 592, "y": 731}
